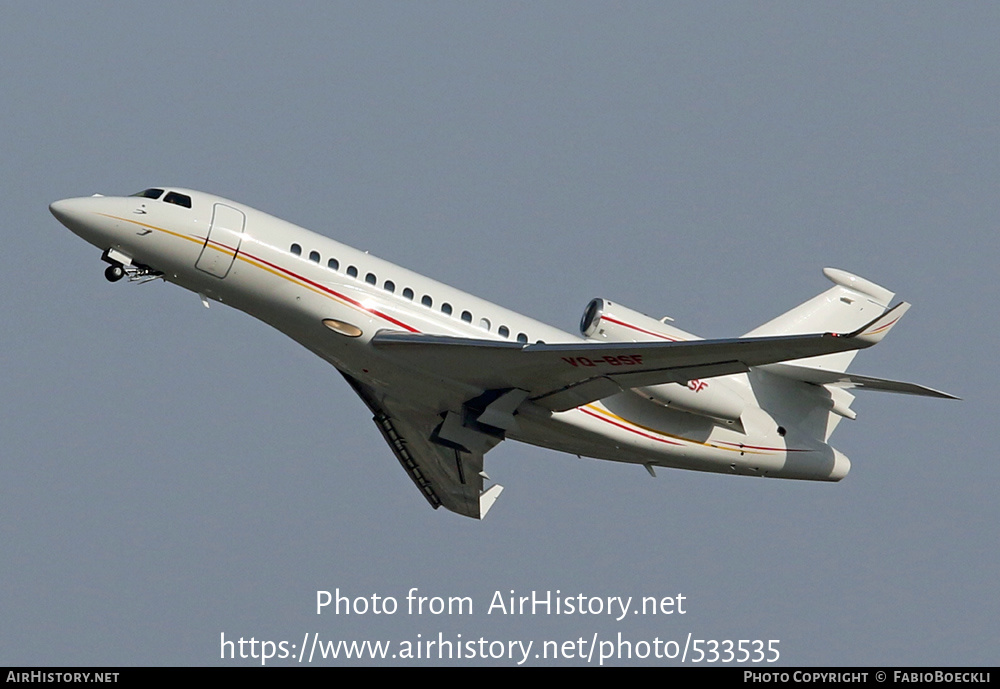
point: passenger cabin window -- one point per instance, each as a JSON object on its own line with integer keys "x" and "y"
{"x": 466, "y": 316}
{"x": 484, "y": 323}
{"x": 427, "y": 301}
{"x": 296, "y": 249}
{"x": 149, "y": 194}
{"x": 503, "y": 331}
{"x": 408, "y": 293}
{"x": 390, "y": 286}
{"x": 178, "y": 199}
{"x": 333, "y": 264}
{"x": 314, "y": 256}
{"x": 371, "y": 279}
{"x": 446, "y": 308}
{"x": 522, "y": 338}
{"x": 352, "y": 271}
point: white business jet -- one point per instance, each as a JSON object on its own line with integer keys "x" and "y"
{"x": 448, "y": 376}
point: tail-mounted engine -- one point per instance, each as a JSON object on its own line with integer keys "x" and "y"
{"x": 604, "y": 320}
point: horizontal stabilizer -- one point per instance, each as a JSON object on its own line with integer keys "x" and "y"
{"x": 850, "y": 380}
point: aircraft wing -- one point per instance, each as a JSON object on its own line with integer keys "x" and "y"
{"x": 446, "y": 476}
{"x": 441, "y": 446}
{"x": 564, "y": 376}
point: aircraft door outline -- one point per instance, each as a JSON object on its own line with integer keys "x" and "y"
{"x": 223, "y": 242}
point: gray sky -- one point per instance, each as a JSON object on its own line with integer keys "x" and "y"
{"x": 698, "y": 160}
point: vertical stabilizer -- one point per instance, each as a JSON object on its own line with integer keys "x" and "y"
{"x": 848, "y": 305}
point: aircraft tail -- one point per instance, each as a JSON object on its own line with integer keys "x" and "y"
{"x": 814, "y": 394}
{"x": 850, "y": 304}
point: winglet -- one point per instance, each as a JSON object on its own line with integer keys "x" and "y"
{"x": 873, "y": 332}
{"x": 487, "y": 498}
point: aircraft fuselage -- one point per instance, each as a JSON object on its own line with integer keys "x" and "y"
{"x": 333, "y": 299}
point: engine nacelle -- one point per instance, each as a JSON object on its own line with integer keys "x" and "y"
{"x": 706, "y": 397}
{"x": 604, "y": 320}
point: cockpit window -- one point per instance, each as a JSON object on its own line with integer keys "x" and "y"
{"x": 149, "y": 193}
{"x": 178, "y": 199}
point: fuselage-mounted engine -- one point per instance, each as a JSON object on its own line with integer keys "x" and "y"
{"x": 605, "y": 321}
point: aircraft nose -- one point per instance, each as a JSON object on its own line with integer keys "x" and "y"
{"x": 67, "y": 211}
{"x": 85, "y": 217}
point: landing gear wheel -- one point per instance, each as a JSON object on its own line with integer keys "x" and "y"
{"x": 114, "y": 273}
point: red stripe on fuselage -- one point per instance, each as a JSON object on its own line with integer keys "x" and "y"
{"x": 627, "y": 428}
{"x": 641, "y": 330}
{"x": 323, "y": 288}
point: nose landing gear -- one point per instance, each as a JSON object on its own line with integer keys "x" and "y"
{"x": 121, "y": 265}
{"x": 114, "y": 272}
